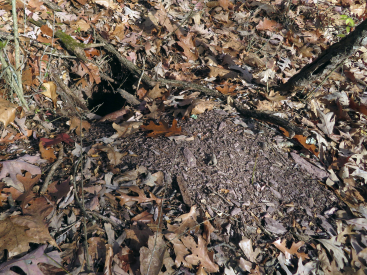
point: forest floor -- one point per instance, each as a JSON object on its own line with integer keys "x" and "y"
{"x": 111, "y": 170}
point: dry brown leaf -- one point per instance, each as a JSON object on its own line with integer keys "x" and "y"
{"x": 8, "y": 112}
{"x": 50, "y": 91}
{"x": 221, "y": 73}
{"x": 180, "y": 250}
{"x": 139, "y": 235}
{"x": 162, "y": 129}
{"x": 123, "y": 259}
{"x": 9, "y": 138}
{"x": 282, "y": 246}
{"x": 81, "y": 25}
{"x": 187, "y": 222}
{"x": 187, "y": 51}
{"x": 151, "y": 257}
{"x": 208, "y": 229}
{"x": 114, "y": 156}
{"x": 116, "y": 114}
{"x": 47, "y": 153}
{"x": 253, "y": 60}
{"x": 264, "y": 105}
{"x": 357, "y": 107}
{"x": 75, "y": 123}
{"x": 156, "y": 92}
{"x": 124, "y": 198}
{"x": 306, "y": 51}
{"x": 17, "y": 167}
{"x": 199, "y": 106}
{"x": 93, "y": 73}
{"x": 127, "y": 128}
{"x": 227, "y": 90}
{"x": 327, "y": 122}
{"x": 199, "y": 253}
{"x": 302, "y": 139}
{"x": 246, "y": 246}
{"x": 46, "y": 30}
{"x": 18, "y": 231}
{"x": 268, "y": 25}
{"x": 28, "y": 183}
{"x": 97, "y": 249}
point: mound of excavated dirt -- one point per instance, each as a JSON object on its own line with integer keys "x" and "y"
{"x": 233, "y": 166}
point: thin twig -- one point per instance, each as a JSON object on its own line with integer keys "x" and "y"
{"x": 104, "y": 218}
{"x": 52, "y": 170}
{"x": 18, "y": 71}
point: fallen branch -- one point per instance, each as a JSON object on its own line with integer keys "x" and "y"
{"x": 130, "y": 99}
{"x": 67, "y": 94}
{"x": 269, "y": 117}
{"x": 327, "y": 61}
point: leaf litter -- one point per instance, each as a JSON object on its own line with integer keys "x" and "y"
{"x": 255, "y": 226}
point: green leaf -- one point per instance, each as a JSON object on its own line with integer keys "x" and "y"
{"x": 344, "y": 17}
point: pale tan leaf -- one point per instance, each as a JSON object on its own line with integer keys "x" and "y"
{"x": 8, "y": 112}
{"x": 50, "y": 91}
{"x": 78, "y": 125}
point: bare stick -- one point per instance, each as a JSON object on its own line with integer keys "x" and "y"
{"x": 53, "y": 169}
{"x": 132, "y": 100}
{"x": 17, "y": 55}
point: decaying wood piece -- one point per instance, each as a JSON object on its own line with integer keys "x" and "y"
{"x": 328, "y": 60}
{"x": 68, "y": 96}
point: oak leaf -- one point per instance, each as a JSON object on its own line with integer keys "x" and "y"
{"x": 155, "y": 92}
{"x": 113, "y": 155}
{"x": 47, "y": 154}
{"x": 199, "y": 253}
{"x": 78, "y": 125}
{"x": 291, "y": 251}
{"x": 268, "y": 25}
{"x": 162, "y": 129}
{"x": 125, "y": 198}
{"x": 302, "y": 139}
{"x": 63, "y": 137}
{"x": 15, "y": 167}
{"x": 16, "y": 232}
{"x": 327, "y": 122}
{"x": 227, "y": 90}
{"x": 29, "y": 263}
{"x": 127, "y": 128}
{"x": 186, "y": 222}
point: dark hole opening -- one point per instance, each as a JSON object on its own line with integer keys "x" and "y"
{"x": 104, "y": 92}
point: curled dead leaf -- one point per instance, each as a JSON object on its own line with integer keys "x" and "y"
{"x": 50, "y": 91}
{"x": 8, "y": 111}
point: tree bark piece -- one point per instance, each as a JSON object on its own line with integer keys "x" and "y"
{"x": 327, "y": 61}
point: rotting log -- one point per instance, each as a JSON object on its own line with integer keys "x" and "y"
{"x": 327, "y": 61}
